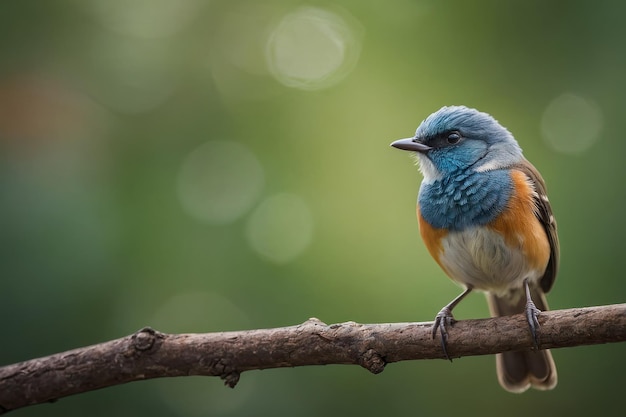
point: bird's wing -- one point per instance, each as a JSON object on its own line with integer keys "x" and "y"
{"x": 546, "y": 217}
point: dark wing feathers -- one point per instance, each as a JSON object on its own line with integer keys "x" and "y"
{"x": 545, "y": 216}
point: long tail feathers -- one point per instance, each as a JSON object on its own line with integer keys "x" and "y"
{"x": 518, "y": 371}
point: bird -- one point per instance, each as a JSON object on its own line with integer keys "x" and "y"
{"x": 485, "y": 218}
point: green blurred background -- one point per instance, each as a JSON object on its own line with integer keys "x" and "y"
{"x": 202, "y": 166}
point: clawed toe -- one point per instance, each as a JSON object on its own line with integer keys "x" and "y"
{"x": 532, "y": 314}
{"x": 443, "y": 319}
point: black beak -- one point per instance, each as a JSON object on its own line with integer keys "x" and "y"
{"x": 411, "y": 144}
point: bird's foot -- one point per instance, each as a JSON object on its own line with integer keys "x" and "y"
{"x": 443, "y": 319}
{"x": 532, "y": 314}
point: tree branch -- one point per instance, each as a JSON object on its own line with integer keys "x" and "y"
{"x": 151, "y": 354}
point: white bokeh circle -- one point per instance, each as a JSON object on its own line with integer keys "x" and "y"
{"x": 280, "y": 228}
{"x": 313, "y": 48}
{"x": 571, "y": 123}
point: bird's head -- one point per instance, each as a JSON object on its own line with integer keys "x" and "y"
{"x": 457, "y": 138}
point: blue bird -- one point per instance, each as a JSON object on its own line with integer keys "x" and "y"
{"x": 485, "y": 218}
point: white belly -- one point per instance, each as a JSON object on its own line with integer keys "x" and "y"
{"x": 479, "y": 258}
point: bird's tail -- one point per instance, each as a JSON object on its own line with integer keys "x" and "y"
{"x": 517, "y": 371}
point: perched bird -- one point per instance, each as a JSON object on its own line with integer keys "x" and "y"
{"x": 484, "y": 216}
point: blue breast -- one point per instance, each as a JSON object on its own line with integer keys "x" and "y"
{"x": 465, "y": 198}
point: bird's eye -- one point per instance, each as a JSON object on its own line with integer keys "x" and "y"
{"x": 453, "y": 137}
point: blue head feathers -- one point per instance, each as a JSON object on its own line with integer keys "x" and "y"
{"x": 460, "y": 138}
{"x": 470, "y": 122}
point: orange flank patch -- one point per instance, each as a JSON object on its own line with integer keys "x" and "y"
{"x": 432, "y": 237}
{"x": 520, "y": 226}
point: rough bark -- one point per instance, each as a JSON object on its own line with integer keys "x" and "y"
{"x": 151, "y": 354}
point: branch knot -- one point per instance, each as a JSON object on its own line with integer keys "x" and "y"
{"x": 145, "y": 339}
{"x": 372, "y": 361}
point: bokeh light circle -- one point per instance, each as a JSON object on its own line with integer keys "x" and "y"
{"x": 281, "y": 228}
{"x": 144, "y": 18}
{"x": 571, "y": 124}
{"x": 220, "y": 181}
{"x": 312, "y": 48}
